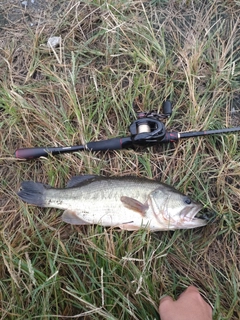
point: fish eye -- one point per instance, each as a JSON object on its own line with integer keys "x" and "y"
{"x": 187, "y": 200}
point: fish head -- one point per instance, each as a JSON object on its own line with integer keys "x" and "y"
{"x": 175, "y": 210}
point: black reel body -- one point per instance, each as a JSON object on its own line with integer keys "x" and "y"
{"x": 148, "y": 129}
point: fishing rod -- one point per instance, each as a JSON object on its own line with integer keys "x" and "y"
{"x": 147, "y": 130}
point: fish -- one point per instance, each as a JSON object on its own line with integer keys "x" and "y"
{"x": 129, "y": 203}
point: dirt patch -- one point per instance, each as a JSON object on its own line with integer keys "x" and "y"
{"x": 31, "y": 12}
{"x": 21, "y": 23}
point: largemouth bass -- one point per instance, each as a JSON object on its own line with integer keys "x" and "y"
{"x": 126, "y": 202}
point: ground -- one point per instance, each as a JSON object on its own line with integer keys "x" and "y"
{"x": 115, "y": 57}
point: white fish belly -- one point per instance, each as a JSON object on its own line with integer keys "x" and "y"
{"x": 110, "y": 215}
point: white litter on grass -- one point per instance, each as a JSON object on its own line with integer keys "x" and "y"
{"x": 53, "y": 42}
{"x": 25, "y": 3}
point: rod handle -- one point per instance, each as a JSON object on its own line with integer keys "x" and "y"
{"x": 32, "y": 153}
{"x": 111, "y": 144}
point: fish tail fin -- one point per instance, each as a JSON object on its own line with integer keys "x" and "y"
{"x": 33, "y": 193}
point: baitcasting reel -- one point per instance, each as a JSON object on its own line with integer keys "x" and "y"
{"x": 148, "y": 129}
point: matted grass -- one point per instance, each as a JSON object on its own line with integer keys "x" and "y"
{"x": 114, "y": 54}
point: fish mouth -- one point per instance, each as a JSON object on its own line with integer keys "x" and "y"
{"x": 193, "y": 216}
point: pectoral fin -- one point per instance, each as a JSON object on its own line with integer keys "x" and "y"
{"x": 135, "y": 205}
{"x": 72, "y": 218}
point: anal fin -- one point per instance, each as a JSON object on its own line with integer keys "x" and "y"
{"x": 128, "y": 227}
{"x": 72, "y": 218}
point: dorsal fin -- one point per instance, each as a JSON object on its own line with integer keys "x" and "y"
{"x": 79, "y": 180}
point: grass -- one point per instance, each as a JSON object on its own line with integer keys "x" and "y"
{"x": 114, "y": 54}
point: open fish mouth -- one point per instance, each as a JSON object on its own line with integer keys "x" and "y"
{"x": 193, "y": 217}
{"x": 191, "y": 213}
{"x": 197, "y": 216}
